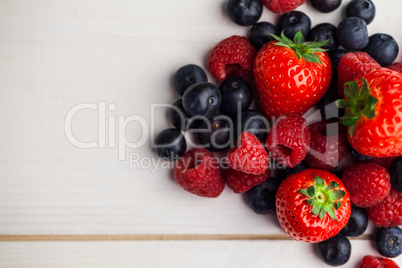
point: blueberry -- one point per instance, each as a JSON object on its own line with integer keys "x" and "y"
{"x": 334, "y": 251}
{"x": 363, "y": 9}
{"x": 180, "y": 118}
{"x": 170, "y": 144}
{"x": 325, "y": 31}
{"x": 284, "y": 173}
{"x": 335, "y": 56}
{"x": 260, "y": 34}
{"x": 358, "y": 156}
{"x": 357, "y": 223}
{"x": 253, "y": 122}
{"x": 388, "y": 241}
{"x": 216, "y": 133}
{"x": 383, "y": 48}
{"x": 395, "y": 170}
{"x": 202, "y": 99}
{"x": 326, "y": 104}
{"x": 261, "y": 198}
{"x": 236, "y": 95}
{"x": 244, "y": 12}
{"x": 294, "y": 21}
{"x": 326, "y": 6}
{"x": 188, "y": 75}
{"x": 352, "y": 33}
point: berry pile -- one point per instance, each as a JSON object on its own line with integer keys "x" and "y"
{"x": 283, "y": 161}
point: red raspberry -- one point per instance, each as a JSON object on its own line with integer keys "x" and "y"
{"x": 326, "y": 152}
{"x": 396, "y": 66}
{"x": 367, "y": 183}
{"x": 382, "y": 161}
{"x": 282, "y": 6}
{"x": 241, "y": 182}
{"x": 199, "y": 173}
{"x": 249, "y": 157}
{"x": 289, "y": 140}
{"x": 233, "y": 56}
{"x": 373, "y": 262}
{"x": 388, "y": 263}
{"x": 352, "y": 65}
{"x": 388, "y": 212}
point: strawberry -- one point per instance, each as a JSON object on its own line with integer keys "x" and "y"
{"x": 312, "y": 205}
{"x": 291, "y": 76}
{"x": 373, "y": 113}
{"x": 282, "y": 6}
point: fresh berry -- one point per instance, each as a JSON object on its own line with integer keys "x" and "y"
{"x": 374, "y": 102}
{"x": 352, "y": 65}
{"x": 358, "y": 156}
{"x": 395, "y": 170}
{"x": 373, "y": 262}
{"x": 396, "y": 66}
{"x": 188, "y": 75}
{"x": 312, "y": 205}
{"x": 387, "y": 263}
{"x": 282, "y": 6}
{"x": 202, "y": 99}
{"x": 327, "y": 104}
{"x": 289, "y": 140}
{"x": 241, "y": 182}
{"x": 291, "y": 76}
{"x": 253, "y": 122}
{"x": 352, "y": 33}
{"x": 334, "y": 251}
{"x": 232, "y": 56}
{"x": 382, "y": 48}
{"x": 367, "y": 183}
{"x": 363, "y": 9}
{"x": 216, "y": 133}
{"x": 180, "y": 118}
{"x": 260, "y": 34}
{"x": 382, "y": 161}
{"x": 388, "y": 241}
{"x": 198, "y": 172}
{"x": 170, "y": 144}
{"x": 326, "y": 6}
{"x": 261, "y": 198}
{"x": 237, "y": 95}
{"x": 284, "y": 173}
{"x": 388, "y": 212}
{"x": 249, "y": 156}
{"x": 244, "y": 12}
{"x": 293, "y": 22}
{"x": 357, "y": 223}
{"x": 322, "y": 32}
{"x": 328, "y": 145}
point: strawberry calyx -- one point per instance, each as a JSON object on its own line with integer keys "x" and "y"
{"x": 358, "y": 103}
{"x": 305, "y": 50}
{"x": 324, "y": 199}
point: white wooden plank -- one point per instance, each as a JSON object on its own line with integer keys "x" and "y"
{"x": 57, "y": 54}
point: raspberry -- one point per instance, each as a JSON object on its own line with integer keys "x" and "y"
{"x": 249, "y": 157}
{"x": 233, "y": 56}
{"x": 396, "y": 66}
{"x": 199, "y": 173}
{"x": 289, "y": 140}
{"x": 352, "y": 65}
{"x": 388, "y": 212}
{"x": 282, "y": 6}
{"x": 241, "y": 182}
{"x": 367, "y": 183}
{"x": 388, "y": 263}
{"x": 383, "y": 161}
{"x": 373, "y": 262}
{"x": 326, "y": 152}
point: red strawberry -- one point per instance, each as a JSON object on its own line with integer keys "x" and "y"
{"x": 367, "y": 183}
{"x": 326, "y": 151}
{"x": 396, "y": 66}
{"x": 291, "y": 76}
{"x": 232, "y": 56}
{"x": 374, "y": 113}
{"x": 249, "y": 157}
{"x": 282, "y": 6}
{"x": 241, "y": 182}
{"x": 352, "y": 65}
{"x": 312, "y": 205}
{"x": 373, "y": 262}
{"x": 289, "y": 140}
{"x": 387, "y": 212}
{"x": 199, "y": 173}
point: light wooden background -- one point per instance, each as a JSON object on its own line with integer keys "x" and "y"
{"x": 63, "y": 206}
